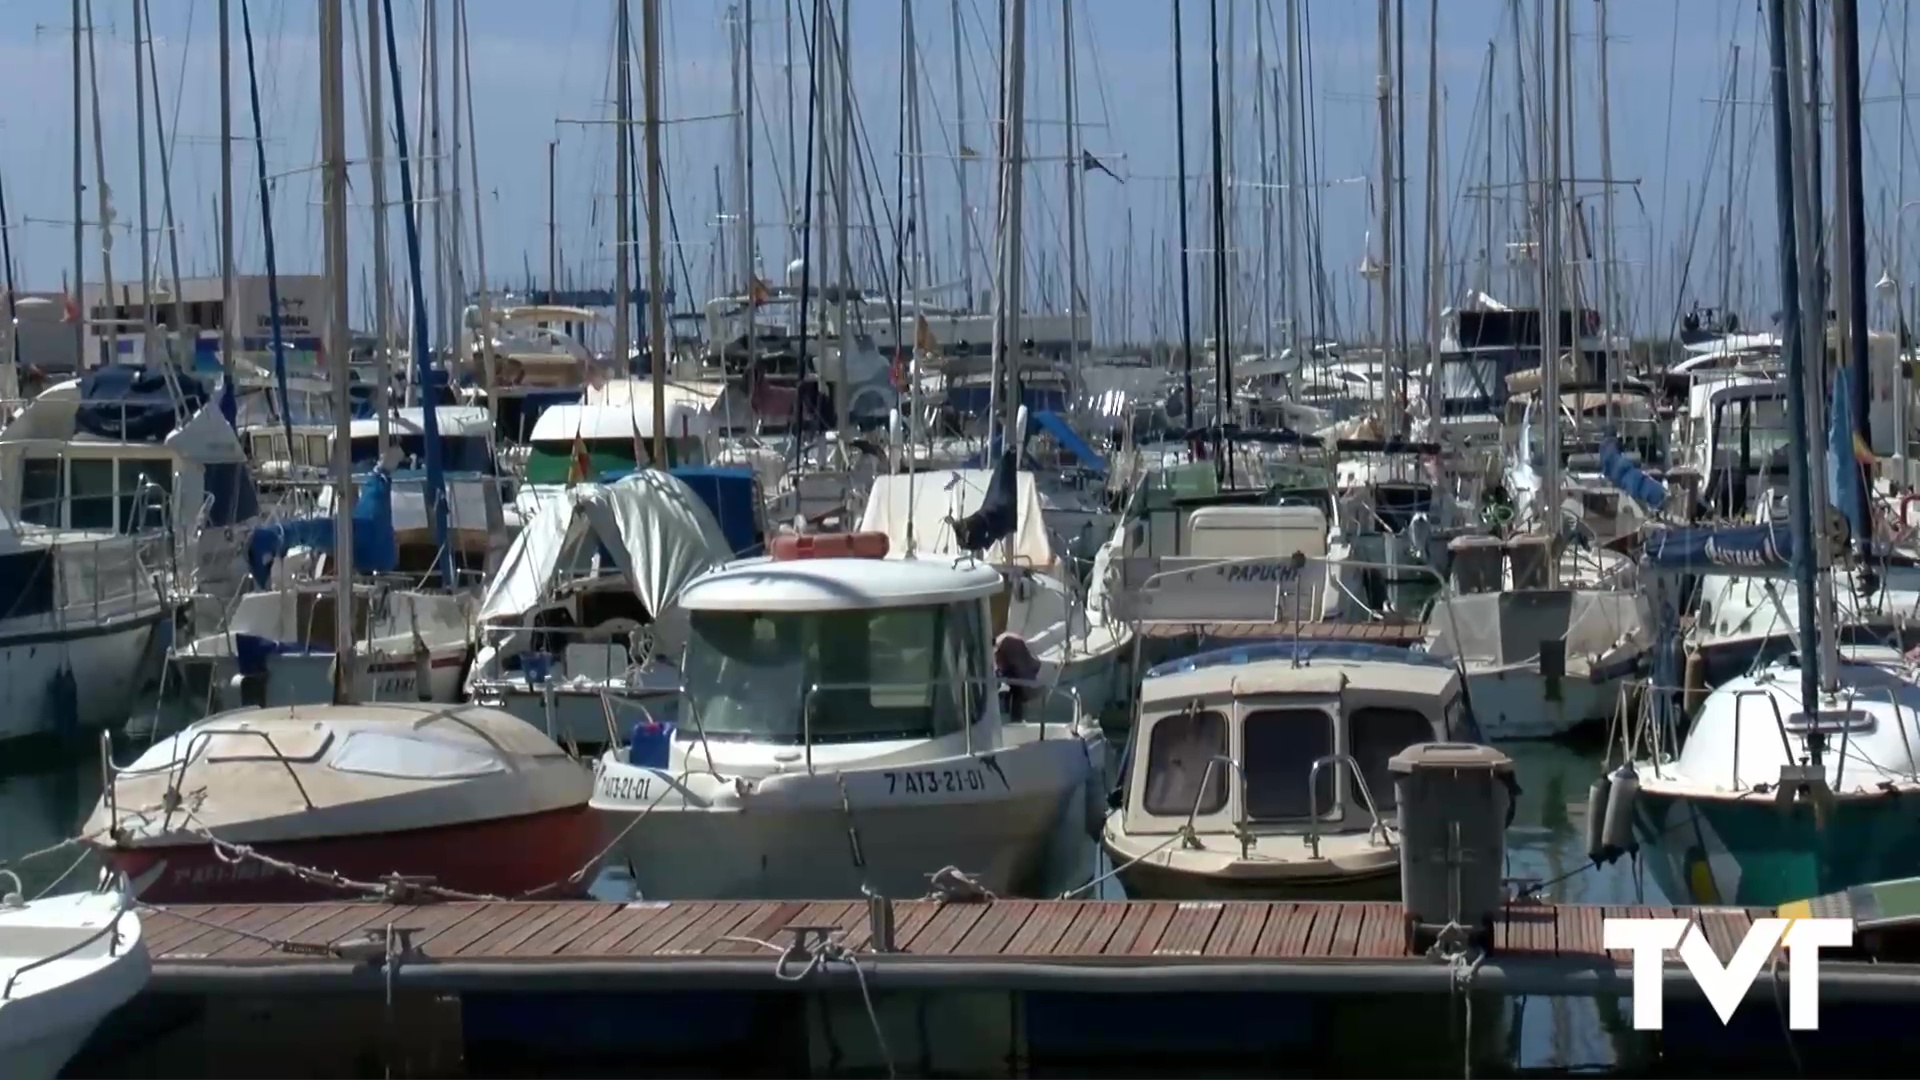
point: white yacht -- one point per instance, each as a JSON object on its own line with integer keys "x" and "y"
{"x": 1261, "y": 770}
{"x": 842, "y": 731}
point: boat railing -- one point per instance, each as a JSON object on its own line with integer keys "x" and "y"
{"x": 1779, "y": 722}
{"x": 176, "y": 768}
{"x": 111, "y": 931}
{"x": 1189, "y": 835}
{"x": 1376, "y": 827}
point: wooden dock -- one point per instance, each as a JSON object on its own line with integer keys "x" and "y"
{"x": 1007, "y": 944}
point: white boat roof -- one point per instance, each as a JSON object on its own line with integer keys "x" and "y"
{"x": 1317, "y": 675}
{"x": 564, "y": 423}
{"x": 454, "y": 421}
{"x": 839, "y": 585}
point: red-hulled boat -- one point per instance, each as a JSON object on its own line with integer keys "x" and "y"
{"x": 466, "y": 798}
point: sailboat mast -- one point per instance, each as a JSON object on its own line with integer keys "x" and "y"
{"x": 179, "y": 319}
{"x": 1074, "y": 171}
{"x": 79, "y": 295}
{"x": 1435, "y": 272}
{"x": 1222, "y": 292}
{"x": 463, "y": 47}
{"x": 1383, "y": 90}
{"x": 377, "y": 170}
{"x": 140, "y": 165}
{"x": 1551, "y": 296}
{"x": 1611, "y": 299}
{"x": 1262, "y": 109}
{"x": 960, "y": 163}
{"x": 103, "y": 195}
{"x": 622, "y": 228}
{"x": 749, "y": 239}
{"x": 1789, "y": 194}
{"x": 1180, "y": 201}
{"x": 333, "y": 139}
{"x": 1853, "y": 236}
{"x": 656, "y": 274}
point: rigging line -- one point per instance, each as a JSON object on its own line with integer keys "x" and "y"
{"x": 1719, "y": 140}
{"x": 1666, "y": 152}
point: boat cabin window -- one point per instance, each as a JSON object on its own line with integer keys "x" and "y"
{"x": 1280, "y": 747}
{"x": 1177, "y": 755}
{"x": 837, "y": 676}
{"x": 26, "y": 583}
{"x": 1748, "y": 432}
{"x": 1375, "y": 735}
{"x": 103, "y": 494}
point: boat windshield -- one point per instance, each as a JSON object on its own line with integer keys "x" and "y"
{"x": 835, "y": 676}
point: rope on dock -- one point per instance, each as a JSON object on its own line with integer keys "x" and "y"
{"x": 818, "y": 947}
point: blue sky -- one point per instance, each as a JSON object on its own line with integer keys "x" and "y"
{"x": 538, "y": 62}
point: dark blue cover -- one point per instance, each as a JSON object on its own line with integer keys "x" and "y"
{"x": 134, "y": 403}
{"x": 1761, "y": 547}
{"x": 733, "y": 496}
{"x": 374, "y": 548}
{"x": 1630, "y": 478}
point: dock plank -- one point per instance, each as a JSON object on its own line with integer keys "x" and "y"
{"x": 1346, "y": 931}
{"x": 1579, "y": 931}
{"x": 1383, "y": 933}
{"x": 292, "y": 922}
{"x": 169, "y": 928}
{"x": 581, "y": 918}
{"x": 648, "y": 939}
{"x": 508, "y": 940}
{"x": 1319, "y": 941}
{"x": 996, "y": 928}
{"x": 1187, "y": 932}
{"x": 948, "y": 925}
{"x": 1725, "y": 928}
{"x": 1155, "y": 917}
{"x": 1093, "y": 925}
{"x": 1285, "y": 934}
{"x": 766, "y": 925}
{"x": 625, "y": 923}
{"x": 485, "y": 921}
{"x": 723, "y": 921}
{"x": 1238, "y": 928}
{"x": 351, "y": 922}
{"x": 1045, "y": 929}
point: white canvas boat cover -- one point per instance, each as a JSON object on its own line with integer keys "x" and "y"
{"x": 931, "y": 501}
{"x": 660, "y": 533}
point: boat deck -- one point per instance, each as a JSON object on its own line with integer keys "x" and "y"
{"x": 1092, "y": 931}
{"x": 1395, "y": 632}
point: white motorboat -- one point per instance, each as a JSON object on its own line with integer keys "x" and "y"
{"x": 65, "y": 963}
{"x": 841, "y": 730}
{"x": 465, "y": 798}
{"x": 1261, "y": 770}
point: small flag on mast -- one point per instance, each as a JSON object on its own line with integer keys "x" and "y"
{"x": 923, "y": 335}
{"x": 757, "y": 292}
{"x": 1089, "y": 163}
{"x": 582, "y": 462}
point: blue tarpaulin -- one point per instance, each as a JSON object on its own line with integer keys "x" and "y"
{"x": 732, "y": 495}
{"x": 1056, "y": 425}
{"x": 1622, "y": 473}
{"x": 374, "y": 549}
{"x": 1760, "y": 547}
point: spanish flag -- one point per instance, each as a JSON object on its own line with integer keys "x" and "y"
{"x": 1862, "y": 453}
{"x": 757, "y": 293}
{"x": 582, "y": 462}
{"x": 923, "y": 336}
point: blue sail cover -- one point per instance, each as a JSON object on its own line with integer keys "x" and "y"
{"x": 1056, "y": 425}
{"x": 1759, "y": 547}
{"x": 1846, "y": 451}
{"x": 1622, "y": 473}
{"x": 374, "y": 549}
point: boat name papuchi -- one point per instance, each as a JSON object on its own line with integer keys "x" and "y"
{"x": 1262, "y": 571}
{"x": 935, "y": 781}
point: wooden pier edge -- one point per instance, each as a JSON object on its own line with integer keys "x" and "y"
{"x": 1107, "y": 946}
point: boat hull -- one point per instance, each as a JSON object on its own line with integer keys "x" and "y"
{"x": 1754, "y": 852}
{"x": 62, "y": 683}
{"x": 1519, "y": 703}
{"x": 1146, "y": 881}
{"x": 506, "y": 856}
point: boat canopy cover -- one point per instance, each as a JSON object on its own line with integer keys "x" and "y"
{"x": 1508, "y": 627}
{"x": 1622, "y": 473}
{"x": 135, "y": 403}
{"x": 931, "y": 503}
{"x": 659, "y": 532}
{"x": 1056, "y": 425}
{"x": 1759, "y": 547}
{"x": 732, "y": 494}
{"x": 374, "y": 547}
